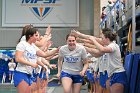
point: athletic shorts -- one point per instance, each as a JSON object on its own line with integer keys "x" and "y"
{"x": 103, "y": 78}
{"x": 119, "y": 77}
{"x": 75, "y": 78}
{"x": 19, "y": 76}
{"x": 11, "y": 72}
{"x": 90, "y": 76}
{"x": 34, "y": 77}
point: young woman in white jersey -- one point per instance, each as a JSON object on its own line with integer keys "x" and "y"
{"x": 101, "y": 65}
{"x": 11, "y": 66}
{"x": 115, "y": 70}
{"x": 26, "y": 56}
{"x": 71, "y": 59}
{"x": 42, "y": 43}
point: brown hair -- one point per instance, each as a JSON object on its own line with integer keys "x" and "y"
{"x": 108, "y": 33}
{"x": 70, "y": 35}
{"x": 24, "y": 30}
{"x": 30, "y": 32}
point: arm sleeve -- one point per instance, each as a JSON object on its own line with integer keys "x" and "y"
{"x": 84, "y": 53}
{"x": 60, "y": 52}
{"x": 20, "y": 46}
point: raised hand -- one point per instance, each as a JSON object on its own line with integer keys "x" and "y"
{"x": 75, "y": 33}
{"x": 48, "y": 30}
{"x": 49, "y": 44}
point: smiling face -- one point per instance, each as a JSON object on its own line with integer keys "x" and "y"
{"x": 35, "y": 37}
{"x": 71, "y": 42}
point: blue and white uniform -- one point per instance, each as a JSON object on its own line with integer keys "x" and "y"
{"x": 90, "y": 70}
{"x": 72, "y": 62}
{"x": 22, "y": 71}
{"x": 36, "y": 71}
{"x": 103, "y": 66}
{"x": 115, "y": 69}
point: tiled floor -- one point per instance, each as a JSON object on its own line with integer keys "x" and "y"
{"x": 8, "y": 88}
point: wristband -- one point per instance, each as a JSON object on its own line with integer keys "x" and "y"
{"x": 45, "y": 67}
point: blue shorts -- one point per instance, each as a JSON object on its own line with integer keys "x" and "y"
{"x": 34, "y": 77}
{"x": 103, "y": 78}
{"x": 119, "y": 77}
{"x": 19, "y": 76}
{"x": 90, "y": 76}
{"x": 96, "y": 79}
{"x": 11, "y": 72}
{"x": 75, "y": 78}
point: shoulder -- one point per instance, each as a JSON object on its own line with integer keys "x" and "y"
{"x": 79, "y": 46}
{"x": 9, "y": 63}
{"x": 23, "y": 38}
{"x": 21, "y": 43}
{"x": 113, "y": 45}
{"x": 64, "y": 47}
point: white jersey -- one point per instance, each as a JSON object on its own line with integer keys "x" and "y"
{"x": 94, "y": 63}
{"x": 72, "y": 60}
{"x": 11, "y": 66}
{"x": 23, "y": 38}
{"x": 29, "y": 53}
{"x": 115, "y": 64}
{"x": 104, "y": 62}
{"x": 38, "y": 69}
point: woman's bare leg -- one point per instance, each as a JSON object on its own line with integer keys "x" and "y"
{"x": 76, "y": 87}
{"x": 67, "y": 84}
{"x": 23, "y": 87}
{"x": 117, "y": 88}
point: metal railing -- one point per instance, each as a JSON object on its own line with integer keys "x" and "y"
{"x": 115, "y": 18}
{"x": 122, "y": 14}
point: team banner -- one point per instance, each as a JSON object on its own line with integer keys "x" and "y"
{"x": 57, "y": 13}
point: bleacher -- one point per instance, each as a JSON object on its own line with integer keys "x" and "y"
{"x": 5, "y": 56}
